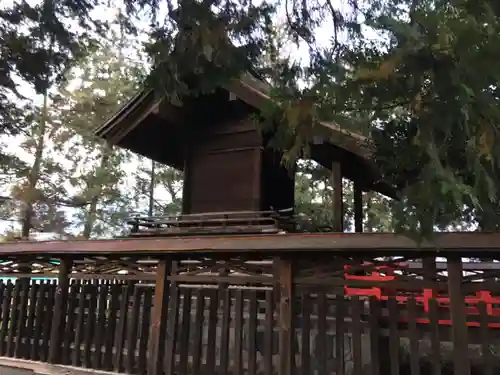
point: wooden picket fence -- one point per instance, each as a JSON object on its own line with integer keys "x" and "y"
{"x": 235, "y": 331}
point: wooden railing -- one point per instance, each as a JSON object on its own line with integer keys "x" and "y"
{"x": 220, "y": 314}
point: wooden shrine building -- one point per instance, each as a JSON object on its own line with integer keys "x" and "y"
{"x": 218, "y": 143}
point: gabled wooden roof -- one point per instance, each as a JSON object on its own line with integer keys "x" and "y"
{"x": 336, "y": 144}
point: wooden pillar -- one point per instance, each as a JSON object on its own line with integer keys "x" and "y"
{"x": 159, "y": 318}
{"x": 186, "y": 185}
{"x": 358, "y": 208}
{"x": 459, "y": 322}
{"x": 430, "y": 272}
{"x": 172, "y": 320}
{"x": 337, "y": 206}
{"x": 286, "y": 314}
{"x": 58, "y": 328}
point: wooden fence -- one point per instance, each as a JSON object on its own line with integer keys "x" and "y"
{"x": 216, "y": 326}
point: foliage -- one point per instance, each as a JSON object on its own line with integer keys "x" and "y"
{"x": 38, "y": 46}
{"x": 431, "y": 91}
{"x": 425, "y": 88}
{"x": 313, "y": 201}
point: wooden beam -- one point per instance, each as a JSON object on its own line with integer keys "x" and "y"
{"x": 430, "y": 271}
{"x": 337, "y": 206}
{"x": 58, "y": 328}
{"x": 358, "y": 208}
{"x": 459, "y": 321}
{"x": 159, "y": 318}
{"x": 467, "y": 243}
{"x": 186, "y": 186}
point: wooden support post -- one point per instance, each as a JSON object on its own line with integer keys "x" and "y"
{"x": 286, "y": 315}
{"x": 340, "y": 328}
{"x": 159, "y": 318}
{"x": 459, "y": 323}
{"x": 337, "y": 206}
{"x": 358, "y": 208}
{"x": 172, "y": 319}
{"x": 186, "y": 187}
{"x": 430, "y": 272}
{"x": 58, "y": 328}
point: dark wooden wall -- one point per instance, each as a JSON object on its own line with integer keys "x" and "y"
{"x": 227, "y": 166}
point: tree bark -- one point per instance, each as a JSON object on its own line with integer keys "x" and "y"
{"x": 94, "y": 201}
{"x": 34, "y": 176}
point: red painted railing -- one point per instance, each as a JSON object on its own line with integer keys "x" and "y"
{"x": 422, "y": 299}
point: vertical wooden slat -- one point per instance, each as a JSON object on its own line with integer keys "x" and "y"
{"x": 14, "y": 314}
{"x": 224, "y": 339}
{"x": 60, "y": 308}
{"x": 238, "y": 333}
{"x": 339, "y": 333}
{"x": 172, "y": 319}
{"x": 132, "y": 326}
{"x": 39, "y": 321}
{"x": 374, "y": 335}
{"x": 434, "y": 335}
{"x": 321, "y": 333}
{"x": 80, "y": 321}
{"x": 198, "y": 331}
{"x": 252, "y": 332}
{"x": 287, "y": 331}
{"x": 89, "y": 329}
{"x": 122, "y": 326}
{"x": 21, "y": 340}
{"x": 102, "y": 308}
{"x": 413, "y": 337}
{"x": 159, "y": 318}
{"x": 394, "y": 343}
{"x": 459, "y": 322}
{"x": 186, "y": 331}
{"x": 2, "y": 297}
{"x": 357, "y": 338}
{"x": 338, "y": 209}
{"x": 358, "y": 208}
{"x": 6, "y": 303}
{"x": 268, "y": 333}
{"x": 212, "y": 331}
{"x": 30, "y": 320}
{"x": 144, "y": 337}
{"x": 69, "y": 335}
{"x": 430, "y": 272}
{"x": 47, "y": 325}
{"x": 114, "y": 305}
{"x": 487, "y": 355}
{"x": 305, "y": 361}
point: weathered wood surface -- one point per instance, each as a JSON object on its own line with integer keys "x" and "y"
{"x": 466, "y": 243}
{"x": 223, "y": 327}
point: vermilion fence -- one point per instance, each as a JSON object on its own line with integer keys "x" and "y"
{"x": 423, "y": 297}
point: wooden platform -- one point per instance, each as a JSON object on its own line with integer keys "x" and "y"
{"x": 215, "y": 223}
{"x": 471, "y": 244}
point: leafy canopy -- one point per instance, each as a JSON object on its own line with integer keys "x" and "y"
{"x": 425, "y": 88}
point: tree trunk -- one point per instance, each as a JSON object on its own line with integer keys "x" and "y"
{"x": 487, "y": 220}
{"x": 34, "y": 176}
{"x": 92, "y": 210}
{"x": 369, "y": 214}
